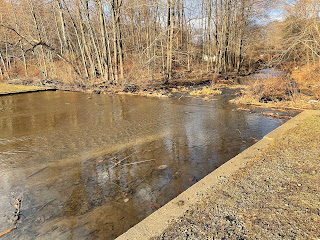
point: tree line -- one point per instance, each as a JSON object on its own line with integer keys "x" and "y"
{"x": 122, "y": 41}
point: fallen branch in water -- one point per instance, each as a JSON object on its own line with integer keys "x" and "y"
{"x": 39, "y": 171}
{"x": 117, "y": 163}
{"x": 128, "y": 164}
{"x": 9, "y": 230}
{"x": 241, "y": 136}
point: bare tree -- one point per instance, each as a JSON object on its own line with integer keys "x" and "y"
{"x": 116, "y": 41}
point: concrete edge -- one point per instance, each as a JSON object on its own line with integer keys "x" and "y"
{"x": 158, "y": 221}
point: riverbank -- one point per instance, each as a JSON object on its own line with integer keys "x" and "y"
{"x": 271, "y": 190}
{"x": 202, "y": 90}
{"x": 297, "y": 89}
{"x": 182, "y": 84}
{"x": 7, "y": 89}
{"x": 300, "y": 101}
{"x": 270, "y": 89}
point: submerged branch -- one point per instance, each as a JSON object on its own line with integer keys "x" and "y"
{"x": 117, "y": 163}
{"x": 7, "y": 231}
{"x": 145, "y": 161}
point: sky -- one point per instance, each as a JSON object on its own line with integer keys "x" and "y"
{"x": 276, "y": 15}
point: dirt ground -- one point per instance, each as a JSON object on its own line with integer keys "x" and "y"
{"x": 276, "y": 196}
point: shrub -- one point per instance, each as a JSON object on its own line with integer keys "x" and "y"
{"x": 274, "y": 89}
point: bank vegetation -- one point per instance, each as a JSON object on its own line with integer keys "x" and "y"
{"x": 106, "y": 44}
{"x": 292, "y": 45}
{"x": 117, "y": 42}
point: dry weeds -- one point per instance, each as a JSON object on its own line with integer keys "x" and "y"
{"x": 277, "y": 196}
{"x": 205, "y": 91}
{"x": 9, "y": 88}
{"x": 296, "y": 91}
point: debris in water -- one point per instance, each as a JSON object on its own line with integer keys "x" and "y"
{"x": 126, "y": 200}
{"x": 155, "y": 206}
{"x": 194, "y": 179}
{"x": 273, "y": 115}
{"x": 243, "y": 109}
{"x": 9, "y": 230}
{"x": 128, "y": 164}
{"x": 162, "y": 167}
{"x": 254, "y": 139}
{"x": 17, "y": 205}
{"x": 120, "y": 161}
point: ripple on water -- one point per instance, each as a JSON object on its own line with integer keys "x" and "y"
{"x": 92, "y": 168}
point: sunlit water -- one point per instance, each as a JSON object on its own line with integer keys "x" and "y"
{"x": 87, "y": 166}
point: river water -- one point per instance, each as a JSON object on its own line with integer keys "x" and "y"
{"x": 92, "y": 166}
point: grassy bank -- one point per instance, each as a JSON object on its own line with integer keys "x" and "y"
{"x": 276, "y": 196}
{"x": 10, "y": 88}
{"x": 298, "y": 89}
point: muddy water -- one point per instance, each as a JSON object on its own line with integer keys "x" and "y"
{"x": 90, "y": 167}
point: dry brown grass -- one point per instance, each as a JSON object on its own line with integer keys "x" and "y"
{"x": 307, "y": 75}
{"x": 265, "y": 90}
{"x": 206, "y": 91}
{"x": 65, "y": 73}
{"x": 9, "y": 88}
{"x": 293, "y": 91}
{"x": 308, "y": 78}
{"x": 273, "y": 89}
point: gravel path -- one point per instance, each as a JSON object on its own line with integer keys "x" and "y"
{"x": 277, "y": 196}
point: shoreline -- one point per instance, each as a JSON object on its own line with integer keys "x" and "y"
{"x": 160, "y": 221}
{"x": 168, "y": 91}
{"x": 11, "y": 89}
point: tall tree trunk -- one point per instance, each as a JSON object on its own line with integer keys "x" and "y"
{"x": 84, "y": 62}
{"x": 104, "y": 39}
{"x": 20, "y": 42}
{"x": 64, "y": 46}
{"x": 119, "y": 43}
{"x": 87, "y": 51}
{"x": 4, "y": 66}
{"x": 170, "y": 12}
{"x": 42, "y": 60}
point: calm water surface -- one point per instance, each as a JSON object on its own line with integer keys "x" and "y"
{"x": 88, "y": 166}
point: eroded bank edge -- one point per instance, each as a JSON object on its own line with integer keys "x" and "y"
{"x": 27, "y": 91}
